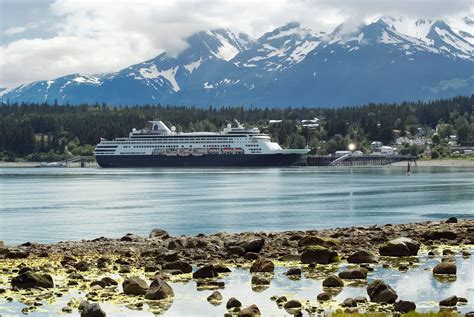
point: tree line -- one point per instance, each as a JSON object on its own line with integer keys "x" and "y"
{"x": 50, "y": 132}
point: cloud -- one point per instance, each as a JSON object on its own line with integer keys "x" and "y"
{"x": 14, "y": 30}
{"x": 107, "y": 35}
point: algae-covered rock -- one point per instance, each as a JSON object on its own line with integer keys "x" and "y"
{"x": 251, "y": 311}
{"x": 400, "y": 247}
{"x": 262, "y": 265}
{"x": 362, "y": 256}
{"x": 91, "y": 310}
{"x": 318, "y": 254}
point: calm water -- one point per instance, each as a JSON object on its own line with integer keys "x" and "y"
{"x": 47, "y": 205}
{"x": 417, "y": 284}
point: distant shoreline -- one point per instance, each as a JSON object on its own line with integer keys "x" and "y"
{"x": 419, "y": 163}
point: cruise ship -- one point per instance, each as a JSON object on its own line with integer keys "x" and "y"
{"x": 159, "y": 146}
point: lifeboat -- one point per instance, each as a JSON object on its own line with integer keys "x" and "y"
{"x": 199, "y": 152}
{"x": 214, "y": 150}
{"x": 171, "y": 152}
{"x": 228, "y": 150}
{"x": 158, "y": 151}
{"x": 239, "y": 150}
{"x": 184, "y": 152}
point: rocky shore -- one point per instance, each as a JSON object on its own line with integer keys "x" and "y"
{"x": 136, "y": 271}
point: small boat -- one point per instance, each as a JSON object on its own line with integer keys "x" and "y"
{"x": 184, "y": 152}
{"x": 214, "y": 150}
{"x": 227, "y": 150}
{"x": 199, "y": 152}
{"x": 171, "y": 152}
{"x": 52, "y": 164}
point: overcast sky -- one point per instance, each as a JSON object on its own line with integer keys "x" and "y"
{"x": 44, "y": 39}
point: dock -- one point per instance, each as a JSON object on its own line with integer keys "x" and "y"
{"x": 356, "y": 160}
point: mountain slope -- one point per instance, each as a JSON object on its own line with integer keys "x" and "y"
{"x": 387, "y": 60}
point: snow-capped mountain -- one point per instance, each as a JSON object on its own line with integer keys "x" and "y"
{"x": 386, "y": 60}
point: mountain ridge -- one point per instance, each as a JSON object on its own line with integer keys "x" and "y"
{"x": 386, "y": 60}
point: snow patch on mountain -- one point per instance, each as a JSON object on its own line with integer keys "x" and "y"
{"x": 193, "y": 66}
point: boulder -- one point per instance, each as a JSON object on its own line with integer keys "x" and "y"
{"x": 207, "y": 271}
{"x": 130, "y": 237}
{"x": 158, "y": 233}
{"x": 81, "y": 266}
{"x": 251, "y": 311}
{"x": 449, "y": 302}
{"x": 134, "y": 286}
{"x": 317, "y": 240}
{"x": 293, "y": 304}
{"x": 109, "y": 281}
{"x": 262, "y": 265}
{"x": 159, "y": 289}
{"x": 215, "y": 297}
{"x": 221, "y": 268}
{"x": 333, "y": 281}
{"x": 91, "y": 310}
{"x": 294, "y": 271}
{"x": 439, "y": 234}
{"x": 235, "y": 250}
{"x": 445, "y": 268}
{"x": 233, "y": 303}
{"x": 400, "y": 247}
{"x": 380, "y": 292}
{"x": 452, "y": 220}
{"x": 351, "y": 274}
{"x": 16, "y": 254}
{"x": 29, "y": 279}
{"x": 349, "y": 302}
{"x": 252, "y": 245}
{"x": 178, "y": 265}
{"x": 261, "y": 280}
{"x": 323, "y": 296}
{"x": 320, "y": 255}
{"x": 404, "y": 306}
{"x": 362, "y": 256}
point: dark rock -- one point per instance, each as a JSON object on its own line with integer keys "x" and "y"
{"x": 360, "y": 299}
{"x": 452, "y": 220}
{"x": 17, "y": 254}
{"x": 251, "y": 256}
{"x": 323, "y": 296}
{"x": 404, "y": 306}
{"x": 159, "y": 289}
{"x": 109, "y": 281}
{"x": 30, "y": 279}
{"x": 317, "y": 240}
{"x": 361, "y": 256}
{"x": 294, "y": 271}
{"x": 445, "y": 268}
{"x": 437, "y": 235}
{"x": 449, "y": 302}
{"x": 236, "y": 250}
{"x": 171, "y": 256}
{"x": 159, "y": 233}
{"x": 260, "y": 280}
{"x": 380, "y": 292}
{"x": 349, "y": 302}
{"x": 333, "y": 281}
{"x": 207, "y": 271}
{"x": 400, "y": 247}
{"x": 221, "y": 268}
{"x": 293, "y": 304}
{"x": 252, "y": 245}
{"x": 262, "y": 265}
{"x": 356, "y": 273}
{"x": 462, "y": 300}
{"x": 251, "y": 311}
{"x": 215, "y": 297}
{"x": 175, "y": 244}
{"x": 91, "y": 310}
{"x": 320, "y": 255}
{"x": 101, "y": 283}
{"x": 233, "y": 303}
{"x": 130, "y": 237}
{"x": 178, "y": 265}
{"x": 82, "y": 266}
{"x": 134, "y": 286}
